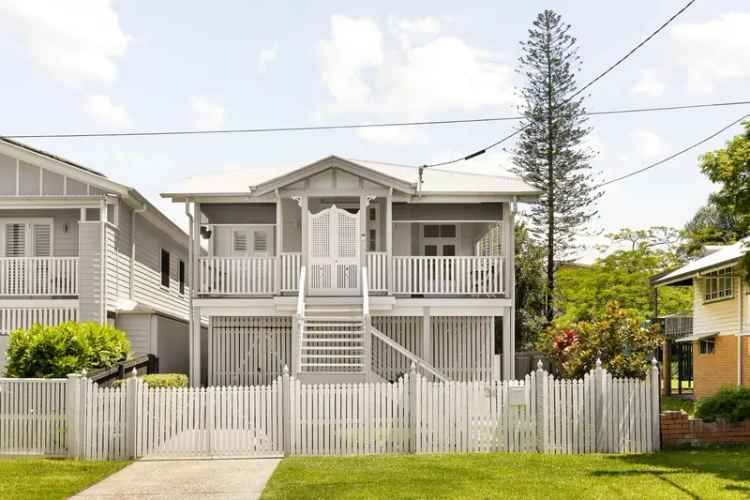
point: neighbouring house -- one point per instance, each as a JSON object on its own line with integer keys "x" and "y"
{"x": 346, "y": 271}
{"x": 720, "y": 329}
{"x": 75, "y": 245}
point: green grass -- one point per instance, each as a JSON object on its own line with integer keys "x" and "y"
{"x": 707, "y": 473}
{"x": 47, "y": 479}
{"x": 674, "y": 403}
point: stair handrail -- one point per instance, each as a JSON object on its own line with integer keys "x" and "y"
{"x": 366, "y": 322}
{"x": 365, "y": 293}
{"x": 419, "y": 362}
{"x": 301, "y": 293}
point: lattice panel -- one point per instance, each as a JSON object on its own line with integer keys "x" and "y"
{"x": 320, "y": 276}
{"x": 320, "y": 234}
{"x": 347, "y": 237}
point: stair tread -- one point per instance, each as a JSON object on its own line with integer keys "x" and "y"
{"x": 333, "y": 348}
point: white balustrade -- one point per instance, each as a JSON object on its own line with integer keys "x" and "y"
{"x": 448, "y": 275}
{"x": 237, "y": 275}
{"x": 291, "y": 262}
{"x": 39, "y": 276}
{"x": 377, "y": 266}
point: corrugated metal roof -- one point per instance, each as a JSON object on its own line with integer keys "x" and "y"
{"x": 434, "y": 180}
{"x": 52, "y": 156}
{"x": 717, "y": 258}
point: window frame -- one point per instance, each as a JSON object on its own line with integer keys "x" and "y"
{"x": 28, "y": 234}
{"x": 165, "y": 273}
{"x": 707, "y": 345}
{"x": 440, "y": 241}
{"x": 713, "y": 290}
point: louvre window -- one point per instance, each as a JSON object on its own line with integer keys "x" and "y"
{"x": 708, "y": 346}
{"x": 15, "y": 240}
{"x": 260, "y": 242}
{"x": 42, "y": 240}
{"x": 719, "y": 285}
{"x": 239, "y": 242}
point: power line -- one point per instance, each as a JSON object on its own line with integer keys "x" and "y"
{"x": 620, "y": 111}
{"x": 589, "y": 84}
{"x": 674, "y": 155}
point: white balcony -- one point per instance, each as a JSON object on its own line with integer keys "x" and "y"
{"x": 38, "y": 276}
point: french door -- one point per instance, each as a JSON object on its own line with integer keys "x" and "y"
{"x": 334, "y": 252}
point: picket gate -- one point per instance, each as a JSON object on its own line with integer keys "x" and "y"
{"x": 415, "y": 414}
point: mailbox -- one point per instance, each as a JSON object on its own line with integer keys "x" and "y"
{"x": 517, "y": 396}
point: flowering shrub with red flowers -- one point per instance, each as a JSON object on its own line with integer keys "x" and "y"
{"x": 617, "y": 337}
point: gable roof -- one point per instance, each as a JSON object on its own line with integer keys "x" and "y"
{"x": 264, "y": 179}
{"x": 130, "y": 195}
{"x": 724, "y": 256}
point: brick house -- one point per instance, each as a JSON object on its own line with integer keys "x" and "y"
{"x": 721, "y": 317}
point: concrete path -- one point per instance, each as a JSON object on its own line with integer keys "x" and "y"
{"x": 186, "y": 479}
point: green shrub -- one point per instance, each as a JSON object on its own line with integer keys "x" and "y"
{"x": 616, "y": 336}
{"x": 56, "y": 351}
{"x": 730, "y": 403}
{"x": 165, "y": 380}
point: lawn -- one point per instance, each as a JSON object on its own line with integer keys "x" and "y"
{"x": 47, "y": 479}
{"x": 714, "y": 473}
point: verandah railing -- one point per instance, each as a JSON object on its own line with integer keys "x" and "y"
{"x": 411, "y": 275}
{"x": 39, "y": 276}
{"x": 79, "y": 418}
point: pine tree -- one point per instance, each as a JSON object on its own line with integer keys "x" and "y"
{"x": 549, "y": 153}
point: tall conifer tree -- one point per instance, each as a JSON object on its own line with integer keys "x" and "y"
{"x": 549, "y": 153}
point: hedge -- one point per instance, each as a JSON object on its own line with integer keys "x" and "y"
{"x": 56, "y": 351}
{"x": 730, "y": 403}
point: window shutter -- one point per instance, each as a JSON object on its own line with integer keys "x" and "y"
{"x": 260, "y": 242}
{"x": 42, "y": 240}
{"x": 15, "y": 240}
{"x": 239, "y": 242}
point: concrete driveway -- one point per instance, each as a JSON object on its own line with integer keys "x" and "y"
{"x": 186, "y": 479}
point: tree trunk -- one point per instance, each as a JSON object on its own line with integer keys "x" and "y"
{"x": 550, "y": 188}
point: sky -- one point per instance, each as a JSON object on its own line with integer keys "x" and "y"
{"x": 103, "y": 66}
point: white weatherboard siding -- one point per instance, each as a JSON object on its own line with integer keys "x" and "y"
{"x": 118, "y": 251}
{"x": 137, "y": 328}
{"x": 715, "y": 317}
{"x": 148, "y": 289}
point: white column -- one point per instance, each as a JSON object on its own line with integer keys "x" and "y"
{"x": 427, "y": 335}
{"x": 363, "y": 201}
{"x": 389, "y": 239}
{"x": 195, "y": 317}
{"x": 509, "y": 249}
{"x": 508, "y": 349}
{"x": 304, "y": 213}
{"x": 279, "y": 243}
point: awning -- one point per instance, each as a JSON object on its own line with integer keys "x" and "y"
{"x": 697, "y": 336}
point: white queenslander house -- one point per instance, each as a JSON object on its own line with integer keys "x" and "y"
{"x": 350, "y": 271}
{"x": 77, "y": 246}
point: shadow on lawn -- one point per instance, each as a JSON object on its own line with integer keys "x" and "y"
{"x": 732, "y": 464}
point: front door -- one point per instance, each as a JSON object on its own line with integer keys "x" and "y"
{"x": 334, "y": 252}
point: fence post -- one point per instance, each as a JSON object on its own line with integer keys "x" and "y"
{"x": 74, "y": 414}
{"x": 131, "y": 395}
{"x": 599, "y": 405}
{"x": 413, "y": 408}
{"x": 655, "y": 405}
{"x": 286, "y": 412}
{"x": 541, "y": 410}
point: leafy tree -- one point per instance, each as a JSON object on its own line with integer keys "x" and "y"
{"x": 549, "y": 153}
{"x": 55, "y": 351}
{"x": 583, "y": 292}
{"x": 712, "y": 224}
{"x": 531, "y": 293}
{"x": 617, "y": 336}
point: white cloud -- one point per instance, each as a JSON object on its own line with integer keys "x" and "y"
{"x": 412, "y": 79}
{"x": 74, "y": 41}
{"x": 206, "y": 113}
{"x": 651, "y": 83}
{"x": 266, "y": 58}
{"x": 648, "y": 144}
{"x": 714, "y": 51}
{"x": 104, "y": 110}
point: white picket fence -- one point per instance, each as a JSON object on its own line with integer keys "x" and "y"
{"x": 415, "y": 414}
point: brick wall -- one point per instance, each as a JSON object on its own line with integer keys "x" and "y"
{"x": 678, "y": 430}
{"x": 712, "y": 371}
